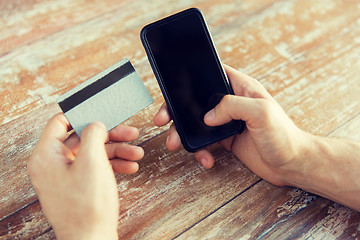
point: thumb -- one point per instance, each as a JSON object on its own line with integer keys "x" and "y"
{"x": 233, "y": 107}
{"x": 92, "y": 145}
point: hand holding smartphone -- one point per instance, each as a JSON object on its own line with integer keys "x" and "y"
{"x": 191, "y": 77}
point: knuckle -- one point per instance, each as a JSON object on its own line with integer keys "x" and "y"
{"x": 267, "y": 109}
{"x": 226, "y": 101}
{"x": 227, "y": 98}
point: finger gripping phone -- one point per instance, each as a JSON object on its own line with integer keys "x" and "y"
{"x": 190, "y": 75}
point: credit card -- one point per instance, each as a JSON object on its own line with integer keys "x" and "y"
{"x": 110, "y": 97}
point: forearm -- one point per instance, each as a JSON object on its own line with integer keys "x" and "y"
{"x": 329, "y": 167}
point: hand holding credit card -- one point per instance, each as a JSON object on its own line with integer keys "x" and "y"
{"x": 110, "y": 97}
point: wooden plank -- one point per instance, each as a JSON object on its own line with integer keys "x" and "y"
{"x": 23, "y": 22}
{"x": 29, "y": 226}
{"x": 319, "y": 90}
{"x": 282, "y": 31}
{"x": 170, "y": 192}
{"x": 270, "y": 212}
{"x": 17, "y": 141}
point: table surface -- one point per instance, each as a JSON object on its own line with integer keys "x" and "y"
{"x": 306, "y": 53}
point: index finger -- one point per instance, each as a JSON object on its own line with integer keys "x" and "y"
{"x": 246, "y": 86}
{"x": 163, "y": 116}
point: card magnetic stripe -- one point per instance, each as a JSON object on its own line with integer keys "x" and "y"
{"x": 90, "y": 90}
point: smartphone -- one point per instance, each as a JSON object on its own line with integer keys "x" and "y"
{"x": 191, "y": 77}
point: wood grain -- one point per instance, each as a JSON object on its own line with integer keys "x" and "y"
{"x": 306, "y": 53}
{"x": 30, "y": 225}
{"x": 17, "y": 141}
{"x": 270, "y": 212}
{"x": 323, "y": 91}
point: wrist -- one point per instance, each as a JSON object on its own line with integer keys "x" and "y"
{"x": 296, "y": 172}
{"x": 328, "y": 167}
{"x": 318, "y": 165}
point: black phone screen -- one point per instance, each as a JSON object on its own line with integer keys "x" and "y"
{"x": 190, "y": 74}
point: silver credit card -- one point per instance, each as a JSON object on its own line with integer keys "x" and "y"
{"x": 111, "y": 97}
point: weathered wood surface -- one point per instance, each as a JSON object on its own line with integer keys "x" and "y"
{"x": 306, "y": 53}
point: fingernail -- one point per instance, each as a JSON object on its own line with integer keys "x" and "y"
{"x": 167, "y": 139}
{"x": 210, "y": 115}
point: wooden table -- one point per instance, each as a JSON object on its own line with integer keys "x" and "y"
{"x": 305, "y": 52}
